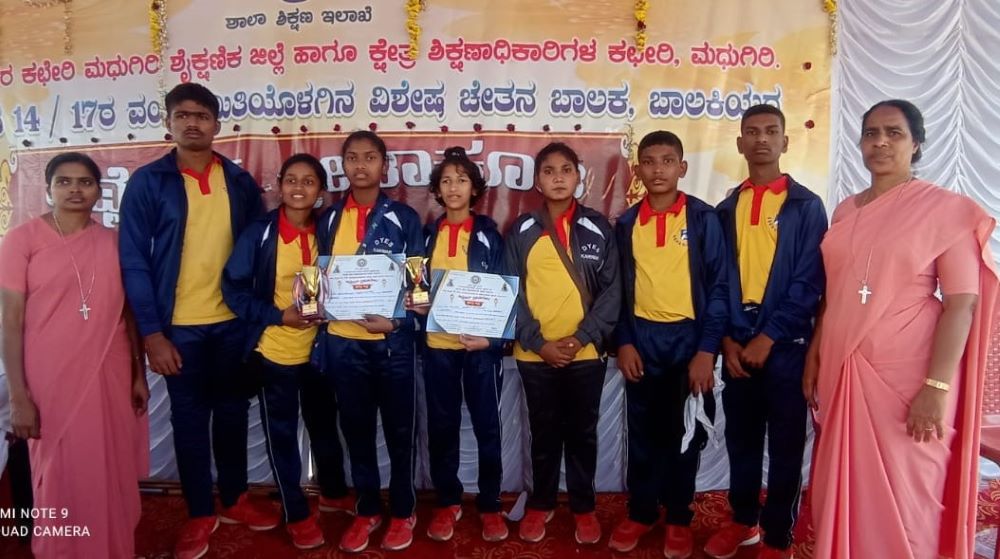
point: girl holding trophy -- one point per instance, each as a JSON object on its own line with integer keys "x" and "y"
{"x": 272, "y": 282}
{"x": 453, "y": 364}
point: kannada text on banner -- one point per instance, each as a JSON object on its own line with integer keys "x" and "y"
{"x": 498, "y": 78}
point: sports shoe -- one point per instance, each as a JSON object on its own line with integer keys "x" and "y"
{"x": 678, "y": 542}
{"x": 626, "y": 535}
{"x": 494, "y": 527}
{"x": 728, "y": 540}
{"x": 346, "y": 504}
{"x": 306, "y": 533}
{"x": 399, "y": 536}
{"x": 588, "y": 529}
{"x": 355, "y": 539}
{"x": 257, "y": 515}
{"x": 442, "y": 526}
{"x": 768, "y": 552}
{"x": 192, "y": 542}
{"x": 532, "y": 527}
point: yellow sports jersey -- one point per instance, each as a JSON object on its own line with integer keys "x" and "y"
{"x": 451, "y": 252}
{"x": 552, "y": 296}
{"x": 662, "y": 270}
{"x": 757, "y": 234}
{"x": 350, "y": 233}
{"x": 208, "y": 241}
{"x": 285, "y": 345}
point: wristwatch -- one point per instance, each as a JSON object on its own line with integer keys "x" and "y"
{"x": 395, "y": 324}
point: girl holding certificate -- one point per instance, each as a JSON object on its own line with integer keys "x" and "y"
{"x": 370, "y": 362}
{"x": 257, "y": 284}
{"x": 462, "y": 240}
{"x": 565, "y": 256}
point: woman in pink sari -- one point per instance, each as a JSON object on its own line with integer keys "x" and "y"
{"x": 75, "y": 371}
{"x": 895, "y": 375}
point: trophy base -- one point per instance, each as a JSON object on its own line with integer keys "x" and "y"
{"x": 309, "y": 310}
{"x": 420, "y": 298}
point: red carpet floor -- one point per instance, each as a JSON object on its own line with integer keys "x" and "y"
{"x": 163, "y": 516}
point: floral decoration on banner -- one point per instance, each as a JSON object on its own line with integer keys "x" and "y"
{"x": 641, "y": 11}
{"x": 158, "y": 37}
{"x": 830, "y": 7}
{"x": 67, "y": 19}
{"x": 413, "y": 11}
{"x": 6, "y": 206}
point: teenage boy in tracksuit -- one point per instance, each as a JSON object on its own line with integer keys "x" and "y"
{"x": 773, "y": 227}
{"x": 180, "y": 216}
{"x": 672, "y": 322}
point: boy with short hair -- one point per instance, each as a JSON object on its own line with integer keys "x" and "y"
{"x": 673, "y": 319}
{"x": 773, "y": 227}
{"x": 180, "y": 216}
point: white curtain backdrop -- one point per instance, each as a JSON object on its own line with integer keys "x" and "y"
{"x": 943, "y": 55}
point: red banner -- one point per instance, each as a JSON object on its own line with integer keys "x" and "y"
{"x": 506, "y": 160}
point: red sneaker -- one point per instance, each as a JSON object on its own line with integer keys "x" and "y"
{"x": 532, "y": 527}
{"x": 768, "y": 552}
{"x": 728, "y": 540}
{"x": 442, "y": 526}
{"x": 355, "y": 539}
{"x": 340, "y": 504}
{"x": 494, "y": 527}
{"x": 626, "y": 535}
{"x": 306, "y": 533}
{"x": 588, "y": 529}
{"x": 192, "y": 542}
{"x": 678, "y": 543}
{"x": 258, "y": 516}
{"x": 399, "y": 536}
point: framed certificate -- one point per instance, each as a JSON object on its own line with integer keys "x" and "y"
{"x": 473, "y": 303}
{"x": 357, "y": 285}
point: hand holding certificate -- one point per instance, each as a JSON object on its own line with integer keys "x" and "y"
{"x": 359, "y": 285}
{"x": 473, "y": 303}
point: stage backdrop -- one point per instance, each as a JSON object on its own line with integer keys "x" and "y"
{"x": 498, "y": 78}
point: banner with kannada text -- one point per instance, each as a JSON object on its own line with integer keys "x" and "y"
{"x": 501, "y": 79}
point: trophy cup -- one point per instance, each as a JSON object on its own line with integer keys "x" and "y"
{"x": 306, "y": 291}
{"x": 416, "y": 280}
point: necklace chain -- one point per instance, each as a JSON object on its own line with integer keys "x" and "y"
{"x": 864, "y": 291}
{"x": 84, "y": 309}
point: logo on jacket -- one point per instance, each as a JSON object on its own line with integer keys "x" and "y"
{"x": 590, "y": 251}
{"x": 383, "y": 244}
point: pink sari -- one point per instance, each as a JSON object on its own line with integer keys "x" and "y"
{"x": 875, "y": 492}
{"x": 92, "y": 450}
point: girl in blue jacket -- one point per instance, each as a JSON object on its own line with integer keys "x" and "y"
{"x": 462, "y": 240}
{"x": 370, "y": 362}
{"x": 257, "y": 285}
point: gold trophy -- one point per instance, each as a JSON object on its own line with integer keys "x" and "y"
{"x": 307, "y": 291}
{"x": 416, "y": 280}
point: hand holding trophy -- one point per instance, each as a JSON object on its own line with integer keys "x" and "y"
{"x": 307, "y": 290}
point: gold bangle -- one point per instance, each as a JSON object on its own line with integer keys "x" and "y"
{"x": 937, "y": 384}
